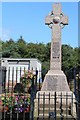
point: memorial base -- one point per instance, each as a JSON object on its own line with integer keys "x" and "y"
{"x": 51, "y": 102}
{"x": 55, "y": 80}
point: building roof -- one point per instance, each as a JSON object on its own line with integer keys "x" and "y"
{"x": 32, "y": 59}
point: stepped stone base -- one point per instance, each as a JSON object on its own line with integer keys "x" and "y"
{"x": 45, "y": 103}
{"x": 57, "y": 118}
{"x": 55, "y": 80}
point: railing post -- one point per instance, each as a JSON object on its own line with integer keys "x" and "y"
{"x": 39, "y": 84}
{"x": 4, "y": 87}
{"x": 16, "y": 73}
{"x": 31, "y": 104}
{"x": 49, "y": 105}
{"x": 55, "y": 105}
{"x": 3, "y": 78}
{"x": 36, "y": 79}
{"x": 75, "y": 81}
{"x": 61, "y": 113}
{"x": 0, "y": 88}
{"x": 66, "y": 105}
{"x": 38, "y": 103}
{"x": 43, "y": 104}
{"x": 78, "y": 106}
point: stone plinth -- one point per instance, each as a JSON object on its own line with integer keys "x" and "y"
{"x": 64, "y": 100}
{"x": 55, "y": 80}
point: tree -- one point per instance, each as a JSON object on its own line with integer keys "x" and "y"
{"x": 70, "y": 55}
{"x": 0, "y": 48}
{"x": 21, "y": 47}
{"x": 67, "y": 52}
{"x": 10, "y": 49}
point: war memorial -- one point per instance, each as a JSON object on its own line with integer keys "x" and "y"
{"x": 55, "y": 89}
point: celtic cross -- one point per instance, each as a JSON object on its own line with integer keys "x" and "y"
{"x": 56, "y": 20}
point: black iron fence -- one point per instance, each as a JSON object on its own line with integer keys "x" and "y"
{"x": 74, "y": 80}
{"x": 11, "y": 76}
{"x": 55, "y": 106}
{"x": 16, "y": 99}
{"x": 20, "y": 104}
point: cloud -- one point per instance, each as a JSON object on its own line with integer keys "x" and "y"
{"x": 4, "y": 34}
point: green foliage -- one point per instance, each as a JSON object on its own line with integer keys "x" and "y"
{"x": 22, "y": 49}
{"x": 69, "y": 57}
{"x": 0, "y": 49}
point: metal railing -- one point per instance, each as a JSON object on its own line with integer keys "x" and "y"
{"x": 9, "y": 79}
{"x": 72, "y": 76}
{"x": 56, "y": 106}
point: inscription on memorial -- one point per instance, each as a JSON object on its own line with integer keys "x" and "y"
{"x": 56, "y": 50}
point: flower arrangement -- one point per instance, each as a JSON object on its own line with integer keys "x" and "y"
{"x": 16, "y": 102}
{"x": 26, "y": 78}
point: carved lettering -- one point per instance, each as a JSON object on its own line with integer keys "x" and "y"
{"x": 56, "y": 50}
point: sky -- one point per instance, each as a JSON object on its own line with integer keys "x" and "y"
{"x": 27, "y": 19}
{"x": 39, "y": 0}
{"x": 79, "y": 24}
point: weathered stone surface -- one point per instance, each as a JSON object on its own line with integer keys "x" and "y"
{"x": 56, "y": 21}
{"x": 55, "y": 51}
{"x": 68, "y": 103}
{"x": 55, "y": 80}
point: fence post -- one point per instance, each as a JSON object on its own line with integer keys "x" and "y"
{"x": 0, "y": 89}
{"x": 0, "y": 80}
{"x": 78, "y": 106}
{"x": 75, "y": 81}
{"x": 43, "y": 104}
{"x": 39, "y": 84}
{"x": 38, "y": 103}
{"x": 31, "y": 103}
{"x": 66, "y": 105}
{"x": 55, "y": 105}
{"x": 3, "y": 78}
{"x": 49, "y": 105}
{"x": 3, "y": 89}
{"x": 36, "y": 79}
{"x": 32, "y": 96}
{"x": 8, "y": 79}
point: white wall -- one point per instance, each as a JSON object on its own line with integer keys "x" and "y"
{"x": 15, "y": 67}
{"x": 34, "y": 63}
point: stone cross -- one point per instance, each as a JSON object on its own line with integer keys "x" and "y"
{"x": 55, "y": 80}
{"x": 56, "y": 20}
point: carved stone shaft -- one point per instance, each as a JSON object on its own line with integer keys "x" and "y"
{"x": 56, "y": 20}
{"x": 55, "y": 79}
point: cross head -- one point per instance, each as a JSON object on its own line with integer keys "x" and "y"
{"x": 56, "y": 17}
